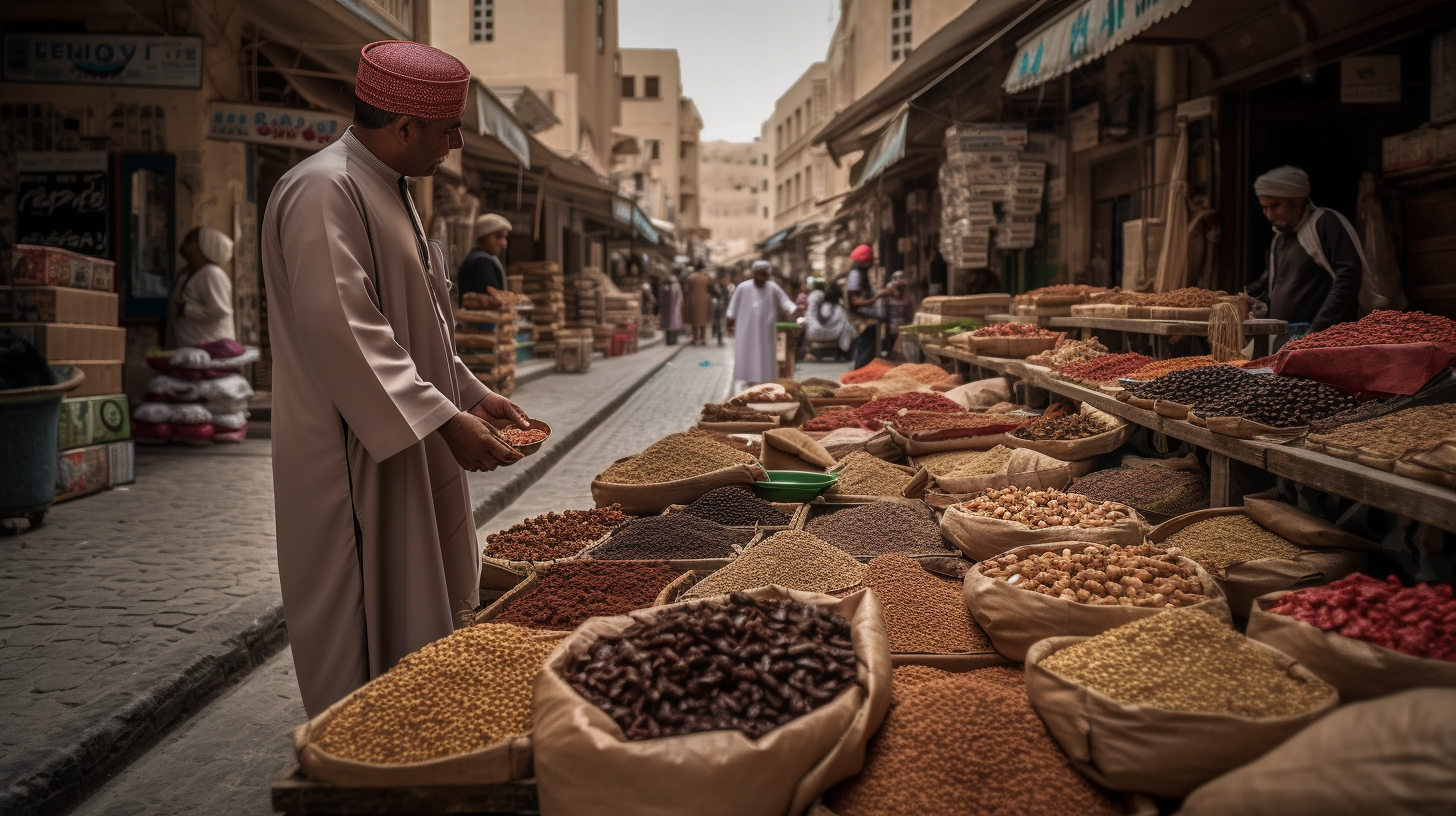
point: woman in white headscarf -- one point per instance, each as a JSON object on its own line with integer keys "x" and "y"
{"x": 201, "y": 306}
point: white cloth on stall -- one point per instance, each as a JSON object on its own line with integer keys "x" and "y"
{"x": 754, "y": 309}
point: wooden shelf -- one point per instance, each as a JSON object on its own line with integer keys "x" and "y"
{"x": 297, "y": 795}
{"x": 1163, "y": 328}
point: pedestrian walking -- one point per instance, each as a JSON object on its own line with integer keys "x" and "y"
{"x": 200, "y": 308}
{"x": 722, "y": 292}
{"x": 482, "y": 270}
{"x": 1315, "y": 266}
{"x": 669, "y": 305}
{"x": 756, "y": 305}
{"x": 863, "y": 305}
{"x": 698, "y": 305}
{"x": 374, "y": 415}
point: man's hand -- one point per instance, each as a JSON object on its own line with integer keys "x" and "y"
{"x": 495, "y": 406}
{"x": 474, "y": 444}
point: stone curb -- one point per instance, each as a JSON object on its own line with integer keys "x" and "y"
{"x": 539, "y": 466}
{"x": 139, "y": 722}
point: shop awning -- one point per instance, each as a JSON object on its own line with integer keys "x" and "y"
{"x": 644, "y": 226}
{"x": 887, "y": 149}
{"x": 494, "y": 119}
{"x": 1084, "y": 33}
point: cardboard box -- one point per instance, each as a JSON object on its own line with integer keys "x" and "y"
{"x": 57, "y": 304}
{"x": 123, "y": 462}
{"x": 67, "y": 341}
{"x": 48, "y": 266}
{"x": 82, "y": 471}
{"x": 94, "y": 420}
{"x": 102, "y": 376}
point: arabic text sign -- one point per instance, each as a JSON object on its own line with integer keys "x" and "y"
{"x": 260, "y": 124}
{"x": 104, "y": 59}
{"x": 1084, "y": 33}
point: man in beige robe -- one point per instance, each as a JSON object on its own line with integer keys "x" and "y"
{"x": 698, "y": 305}
{"x": 374, "y": 415}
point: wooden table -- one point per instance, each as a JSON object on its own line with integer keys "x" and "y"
{"x": 1161, "y": 330}
{"x": 297, "y": 795}
{"x": 1422, "y": 501}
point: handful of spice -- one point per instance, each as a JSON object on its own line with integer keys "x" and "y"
{"x": 1039, "y": 509}
{"x": 739, "y": 663}
{"x": 1012, "y": 330}
{"x": 1187, "y": 660}
{"x": 1062, "y": 427}
{"x": 1103, "y": 575}
{"x": 1419, "y": 621}
{"x": 553, "y": 535}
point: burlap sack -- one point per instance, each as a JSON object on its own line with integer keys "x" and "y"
{"x": 1436, "y": 465}
{"x": 739, "y": 427}
{"x": 982, "y": 537}
{"x": 1140, "y": 749}
{"x": 1073, "y": 450}
{"x": 585, "y": 766}
{"x": 1169, "y": 409}
{"x": 489, "y": 766}
{"x": 1392, "y": 755}
{"x": 1025, "y": 468}
{"x": 910, "y": 446}
{"x": 883, "y": 446}
{"x": 792, "y": 449}
{"x": 1016, "y": 618}
{"x": 981, "y": 393}
{"x": 1360, "y": 670}
{"x": 648, "y": 499}
{"x": 1248, "y": 580}
{"x": 1241, "y": 428}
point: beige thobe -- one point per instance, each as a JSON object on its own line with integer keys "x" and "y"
{"x": 697, "y": 300}
{"x": 376, "y": 544}
{"x": 201, "y": 308}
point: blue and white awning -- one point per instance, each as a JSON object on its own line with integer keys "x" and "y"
{"x": 1088, "y": 31}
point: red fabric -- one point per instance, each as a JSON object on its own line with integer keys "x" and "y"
{"x": 223, "y": 349}
{"x": 154, "y": 431}
{"x": 413, "y": 79}
{"x": 862, "y": 254}
{"x": 1369, "y": 372}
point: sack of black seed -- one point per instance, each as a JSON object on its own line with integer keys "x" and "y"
{"x": 753, "y": 702}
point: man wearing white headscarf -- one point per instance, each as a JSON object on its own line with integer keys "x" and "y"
{"x": 482, "y": 270}
{"x": 1316, "y": 267}
{"x": 756, "y": 305}
{"x": 201, "y": 306}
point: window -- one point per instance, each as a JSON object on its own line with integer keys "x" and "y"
{"x": 629, "y": 87}
{"x": 650, "y": 87}
{"x": 765, "y": 160}
{"x": 482, "y": 20}
{"x": 900, "y": 20}
{"x": 808, "y": 182}
{"x": 601, "y": 26}
{"x": 779, "y": 136}
{"x": 655, "y": 147}
{"x": 765, "y": 212}
{"x": 637, "y": 181}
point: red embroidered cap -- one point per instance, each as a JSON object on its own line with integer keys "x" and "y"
{"x": 405, "y": 77}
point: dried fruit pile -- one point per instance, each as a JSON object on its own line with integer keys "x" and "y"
{"x": 1279, "y": 402}
{"x": 568, "y": 593}
{"x": 554, "y": 535}
{"x": 770, "y": 395}
{"x": 1191, "y": 385}
{"x": 1418, "y": 620}
{"x": 739, "y": 663}
{"x": 1103, "y": 575}
{"x": 1187, "y": 660}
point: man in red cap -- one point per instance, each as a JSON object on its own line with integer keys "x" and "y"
{"x": 374, "y": 415}
{"x": 862, "y": 299}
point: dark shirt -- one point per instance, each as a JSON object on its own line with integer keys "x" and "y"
{"x": 479, "y": 270}
{"x": 1303, "y": 291}
{"x": 859, "y": 287}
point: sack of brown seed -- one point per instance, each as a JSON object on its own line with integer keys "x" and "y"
{"x": 1077, "y": 450}
{"x": 1015, "y": 617}
{"x": 586, "y": 764}
{"x": 981, "y": 535}
{"x": 1265, "y": 546}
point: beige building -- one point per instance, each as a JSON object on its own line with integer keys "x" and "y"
{"x": 874, "y": 36}
{"x": 736, "y": 183}
{"x": 662, "y": 173}
{"x": 564, "y": 51}
{"x": 802, "y": 174}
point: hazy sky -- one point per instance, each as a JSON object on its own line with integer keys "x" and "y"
{"x": 737, "y": 57}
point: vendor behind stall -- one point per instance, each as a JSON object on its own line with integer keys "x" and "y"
{"x": 1316, "y": 266}
{"x": 201, "y": 305}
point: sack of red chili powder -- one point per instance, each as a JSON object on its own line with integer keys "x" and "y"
{"x": 1366, "y": 637}
{"x": 1392, "y": 755}
{"x": 586, "y": 765}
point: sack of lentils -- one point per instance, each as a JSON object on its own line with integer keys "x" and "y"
{"x": 728, "y": 730}
{"x": 1161, "y": 705}
{"x": 684, "y": 540}
{"x": 511, "y": 554}
{"x": 865, "y": 477}
{"x": 1075, "y": 588}
{"x": 456, "y": 712}
{"x": 560, "y": 596}
{"x": 1249, "y": 559}
{"x": 879, "y": 528}
{"x": 673, "y": 470}
{"x": 1072, "y": 437}
{"x": 996, "y": 520}
{"x": 926, "y": 618}
{"x": 1364, "y": 636}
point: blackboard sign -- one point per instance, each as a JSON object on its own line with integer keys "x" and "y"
{"x": 63, "y": 200}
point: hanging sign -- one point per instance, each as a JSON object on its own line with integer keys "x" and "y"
{"x": 260, "y": 124}
{"x": 104, "y": 59}
{"x": 1088, "y": 31}
{"x": 63, "y": 200}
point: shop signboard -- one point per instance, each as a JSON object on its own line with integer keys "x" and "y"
{"x": 1370, "y": 80}
{"x": 1084, "y": 33}
{"x": 63, "y": 200}
{"x": 133, "y": 60}
{"x": 262, "y": 124}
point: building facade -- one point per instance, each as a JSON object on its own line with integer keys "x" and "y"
{"x": 736, "y": 183}
{"x": 660, "y": 167}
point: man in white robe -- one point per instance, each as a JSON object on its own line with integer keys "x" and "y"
{"x": 755, "y": 307}
{"x": 201, "y": 306}
{"x": 374, "y": 415}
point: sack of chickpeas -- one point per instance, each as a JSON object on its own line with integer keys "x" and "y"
{"x": 1162, "y": 705}
{"x": 995, "y": 520}
{"x": 681, "y": 708}
{"x": 1077, "y": 588}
